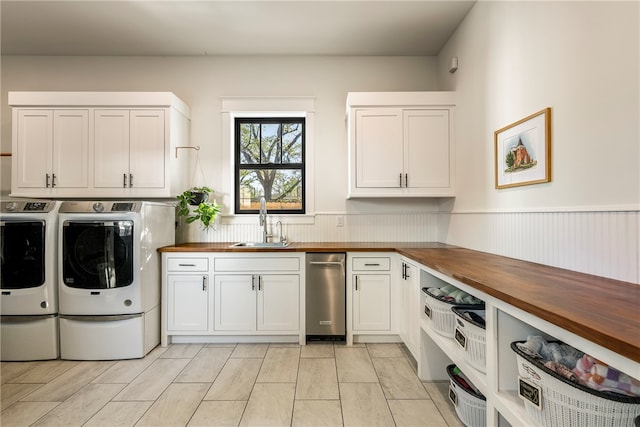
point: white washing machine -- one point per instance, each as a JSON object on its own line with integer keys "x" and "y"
{"x": 29, "y": 296}
{"x": 109, "y": 277}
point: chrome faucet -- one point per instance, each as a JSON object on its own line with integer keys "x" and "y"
{"x": 263, "y": 220}
{"x": 283, "y": 238}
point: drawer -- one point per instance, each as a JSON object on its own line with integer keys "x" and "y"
{"x": 371, "y": 263}
{"x": 257, "y": 264}
{"x": 187, "y": 264}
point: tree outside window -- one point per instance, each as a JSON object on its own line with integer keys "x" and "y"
{"x": 269, "y": 163}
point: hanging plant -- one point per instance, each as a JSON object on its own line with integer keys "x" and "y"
{"x": 205, "y": 211}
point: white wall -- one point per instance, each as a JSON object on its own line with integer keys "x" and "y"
{"x": 201, "y": 81}
{"x": 582, "y": 60}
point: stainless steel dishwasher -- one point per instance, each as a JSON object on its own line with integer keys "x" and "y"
{"x": 325, "y": 296}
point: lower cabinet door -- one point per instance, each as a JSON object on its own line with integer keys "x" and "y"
{"x": 188, "y": 302}
{"x": 371, "y": 302}
{"x": 278, "y": 302}
{"x": 235, "y": 302}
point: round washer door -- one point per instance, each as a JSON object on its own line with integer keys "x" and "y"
{"x": 97, "y": 254}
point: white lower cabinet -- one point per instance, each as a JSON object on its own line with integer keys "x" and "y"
{"x": 411, "y": 307}
{"x": 235, "y": 303}
{"x": 257, "y": 302}
{"x": 370, "y": 295}
{"x": 188, "y": 300}
{"x": 206, "y": 296}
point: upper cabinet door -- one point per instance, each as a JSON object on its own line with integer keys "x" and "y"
{"x": 70, "y": 149}
{"x": 33, "y": 144}
{"x": 427, "y": 149}
{"x": 111, "y": 145}
{"x": 378, "y": 135}
{"x": 147, "y": 149}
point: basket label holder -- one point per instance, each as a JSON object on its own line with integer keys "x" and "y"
{"x": 530, "y": 392}
{"x": 427, "y": 310}
{"x": 453, "y": 396}
{"x": 460, "y": 338}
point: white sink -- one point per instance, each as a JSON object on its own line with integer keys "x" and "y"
{"x": 269, "y": 245}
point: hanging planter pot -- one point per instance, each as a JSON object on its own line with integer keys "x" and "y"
{"x": 204, "y": 211}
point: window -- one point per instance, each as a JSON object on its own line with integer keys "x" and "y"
{"x": 269, "y": 163}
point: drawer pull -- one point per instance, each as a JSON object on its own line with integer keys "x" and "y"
{"x": 372, "y": 264}
{"x": 186, "y": 265}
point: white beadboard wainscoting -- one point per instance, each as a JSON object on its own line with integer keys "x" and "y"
{"x": 601, "y": 243}
{"x": 594, "y": 242}
{"x": 413, "y": 227}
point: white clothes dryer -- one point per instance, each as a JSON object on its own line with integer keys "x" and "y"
{"x": 109, "y": 277}
{"x": 28, "y": 285}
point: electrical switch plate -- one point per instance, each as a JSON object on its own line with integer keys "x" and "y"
{"x": 339, "y": 221}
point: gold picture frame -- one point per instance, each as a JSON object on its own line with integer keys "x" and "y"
{"x": 523, "y": 151}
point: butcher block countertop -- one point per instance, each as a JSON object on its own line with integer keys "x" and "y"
{"x": 603, "y": 311}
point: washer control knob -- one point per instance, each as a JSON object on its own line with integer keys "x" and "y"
{"x": 98, "y": 207}
{"x": 11, "y": 206}
{"x": 128, "y": 302}
{"x": 44, "y": 304}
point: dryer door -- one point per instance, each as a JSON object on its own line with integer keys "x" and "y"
{"x": 97, "y": 254}
{"x": 22, "y": 254}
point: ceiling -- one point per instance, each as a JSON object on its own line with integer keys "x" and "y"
{"x": 228, "y": 27}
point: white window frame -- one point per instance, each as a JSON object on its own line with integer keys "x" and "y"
{"x": 251, "y": 107}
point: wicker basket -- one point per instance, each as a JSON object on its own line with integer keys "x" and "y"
{"x": 471, "y": 408}
{"x": 440, "y": 315}
{"x": 552, "y": 400}
{"x": 471, "y": 336}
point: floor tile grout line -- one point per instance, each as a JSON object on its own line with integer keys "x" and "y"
{"x": 386, "y": 400}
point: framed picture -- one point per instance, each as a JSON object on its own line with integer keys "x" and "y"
{"x": 523, "y": 151}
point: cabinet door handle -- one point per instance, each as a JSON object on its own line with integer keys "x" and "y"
{"x": 253, "y": 282}
{"x": 124, "y": 180}
{"x": 204, "y": 283}
{"x": 404, "y": 270}
{"x": 46, "y": 184}
{"x": 356, "y": 283}
{"x": 53, "y": 180}
{"x": 130, "y": 180}
{"x": 406, "y": 180}
{"x": 400, "y": 176}
{"x": 259, "y": 283}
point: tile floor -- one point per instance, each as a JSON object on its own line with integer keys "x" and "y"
{"x": 320, "y": 384}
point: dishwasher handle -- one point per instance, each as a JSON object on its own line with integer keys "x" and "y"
{"x": 326, "y": 263}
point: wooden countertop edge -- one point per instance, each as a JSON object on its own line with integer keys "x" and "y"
{"x": 554, "y": 312}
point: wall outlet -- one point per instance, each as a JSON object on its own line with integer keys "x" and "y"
{"x": 339, "y": 221}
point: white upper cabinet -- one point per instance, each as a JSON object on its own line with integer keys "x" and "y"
{"x": 401, "y": 144}
{"x": 129, "y": 146}
{"x": 99, "y": 144}
{"x": 51, "y": 150}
